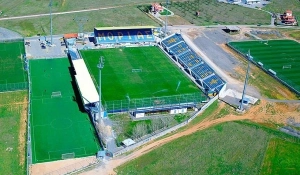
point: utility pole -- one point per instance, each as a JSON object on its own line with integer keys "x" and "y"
{"x": 50, "y": 5}
{"x": 246, "y": 81}
{"x": 100, "y": 66}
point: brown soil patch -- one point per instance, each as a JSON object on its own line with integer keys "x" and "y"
{"x": 176, "y": 20}
{"x": 193, "y": 33}
{"x": 22, "y": 131}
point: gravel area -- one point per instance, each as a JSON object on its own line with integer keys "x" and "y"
{"x": 6, "y": 34}
{"x": 209, "y": 42}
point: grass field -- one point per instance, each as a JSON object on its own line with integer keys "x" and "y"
{"x": 57, "y": 124}
{"x": 282, "y": 157}
{"x": 157, "y": 77}
{"x": 122, "y": 16}
{"x": 214, "y": 12}
{"x": 282, "y": 56}
{"x": 228, "y": 148}
{"x": 17, "y": 8}
{"x": 12, "y": 73}
{"x": 13, "y": 115}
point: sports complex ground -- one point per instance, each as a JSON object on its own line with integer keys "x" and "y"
{"x": 281, "y": 56}
{"x": 139, "y": 72}
{"x": 11, "y": 65}
{"x": 59, "y": 129}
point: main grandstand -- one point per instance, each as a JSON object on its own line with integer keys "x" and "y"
{"x": 209, "y": 81}
{"x": 115, "y": 35}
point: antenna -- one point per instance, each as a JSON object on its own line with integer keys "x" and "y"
{"x": 166, "y": 21}
{"x": 80, "y": 22}
{"x": 50, "y": 5}
{"x": 246, "y": 81}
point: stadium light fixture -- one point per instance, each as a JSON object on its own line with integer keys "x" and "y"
{"x": 50, "y": 5}
{"x": 100, "y": 66}
{"x": 246, "y": 81}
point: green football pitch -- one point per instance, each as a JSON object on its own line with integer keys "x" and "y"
{"x": 12, "y": 73}
{"x": 282, "y": 56}
{"x": 58, "y": 128}
{"x": 137, "y": 72}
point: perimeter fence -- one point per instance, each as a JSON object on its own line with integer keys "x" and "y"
{"x": 13, "y": 86}
{"x": 152, "y": 103}
{"x": 278, "y": 78}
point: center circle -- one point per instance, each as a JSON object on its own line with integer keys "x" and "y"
{"x": 61, "y": 123}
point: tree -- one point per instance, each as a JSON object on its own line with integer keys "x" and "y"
{"x": 139, "y": 130}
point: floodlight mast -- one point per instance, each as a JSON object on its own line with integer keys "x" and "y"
{"x": 246, "y": 81}
{"x": 166, "y": 21}
{"x": 100, "y": 66}
{"x": 50, "y": 5}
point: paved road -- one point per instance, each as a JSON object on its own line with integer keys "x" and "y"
{"x": 60, "y": 13}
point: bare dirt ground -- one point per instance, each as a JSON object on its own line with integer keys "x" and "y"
{"x": 22, "y": 132}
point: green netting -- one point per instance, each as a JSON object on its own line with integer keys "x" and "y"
{"x": 57, "y": 125}
{"x": 281, "y": 56}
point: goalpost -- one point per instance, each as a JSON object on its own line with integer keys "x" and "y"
{"x": 56, "y": 94}
{"x": 136, "y": 70}
{"x": 68, "y": 156}
{"x": 286, "y": 66}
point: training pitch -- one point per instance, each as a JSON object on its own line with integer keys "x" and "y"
{"x": 11, "y": 66}
{"x": 281, "y": 56}
{"x": 137, "y": 72}
{"x": 59, "y": 130}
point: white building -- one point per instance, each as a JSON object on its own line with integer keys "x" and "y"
{"x": 234, "y": 1}
{"x": 252, "y": 1}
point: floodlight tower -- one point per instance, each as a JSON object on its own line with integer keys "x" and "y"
{"x": 50, "y": 6}
{"x": 166, "y": 21}
{"x": 246, "y": 81}
{"x": 100, "y": 66}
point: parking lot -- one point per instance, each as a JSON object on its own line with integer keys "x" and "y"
{"x": 40, "y": 47}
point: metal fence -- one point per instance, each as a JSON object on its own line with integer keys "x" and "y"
{"x": 28, "y": 145}
{"x": 13, "y": 86}
{"x": 284, "y": 82}
{"x": 154, "y": 103}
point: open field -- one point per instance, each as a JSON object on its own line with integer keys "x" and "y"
{"x": 281, "y": 56}
{"x": 12, "y": 73}
{"x": 280, "y": 6}
{"x": 228, "y": 148}
{"x": 281, "y": 158}
{"x": 17, "y": 8}
{"x": 157, "y": 76}
{"x": 57, "y": 125}
{"x": 214, "y": 12}
{"x": 13, "y": 116}
{"x": 123, "y": 16}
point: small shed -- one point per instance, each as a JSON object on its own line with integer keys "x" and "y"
{"x": 100, "y": 154}
{"x": 128, "y": 142}
{"x": 70, "y": 35}
{"x": 232, "y": 29}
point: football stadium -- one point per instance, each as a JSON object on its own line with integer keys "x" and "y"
{"x": 279, "y": 58}
{"x": 140, "y": 76}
